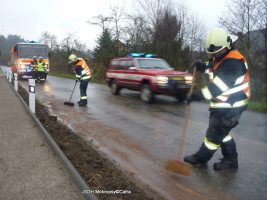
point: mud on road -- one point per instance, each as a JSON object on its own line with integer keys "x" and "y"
{"x": 98, "y": 171}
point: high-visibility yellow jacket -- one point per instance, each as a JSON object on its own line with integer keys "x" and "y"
{"x": 41, "y": 66}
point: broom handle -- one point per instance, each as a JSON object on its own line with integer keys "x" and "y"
{"x": 181, "y": 146}
{"x": 72, "y": 91}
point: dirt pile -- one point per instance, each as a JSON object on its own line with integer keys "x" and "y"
{"x": 99, "y": 172}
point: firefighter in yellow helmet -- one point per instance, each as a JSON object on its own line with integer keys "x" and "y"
{"x": 228, "y": 93}
{"x": 83, "y": 75}
{"x": 41, "y": 68}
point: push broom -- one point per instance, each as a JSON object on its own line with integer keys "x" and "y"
{"x": 178, "y": 166}
{"x": 68, "y": 102}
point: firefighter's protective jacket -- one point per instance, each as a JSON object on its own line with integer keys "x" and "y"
{"x": 81, "y": 70}
{"x": 229, "y": 82}
{"x": 33, "y": 65}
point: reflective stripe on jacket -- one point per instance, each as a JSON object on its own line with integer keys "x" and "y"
{"x": 241, "y": 86}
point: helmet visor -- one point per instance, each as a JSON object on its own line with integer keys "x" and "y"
{"x": 214, "y": 49}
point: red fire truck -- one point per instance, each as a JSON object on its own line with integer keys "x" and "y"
{"x": 22, "y": 55}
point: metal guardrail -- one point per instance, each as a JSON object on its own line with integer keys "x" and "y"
{"x": 81, "y": 184}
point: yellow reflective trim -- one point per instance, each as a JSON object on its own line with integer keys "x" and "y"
{"x": 206, "y": 93}
{"x": 84, "y": 97}
{"x": 236, "y": 89}
{"x": 239, "y": 80}
{"x": 227, "y": 138}
{"x": 221, "y": 97}
{"x": 228, "y": 105}
{"x": 210, "y": 145}
{"x": 240, "y": 103}
{"x": 220, "y": 84}
{"x": 86, "y": 77}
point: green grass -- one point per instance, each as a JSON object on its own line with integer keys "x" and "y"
{"x": 73, "y": 77}
{"x": 256, "y": 106}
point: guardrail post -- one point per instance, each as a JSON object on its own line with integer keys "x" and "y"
{"x": 32, "y": 95}
{"x": 16, "y": 81}
{"x": 10, "y": 77}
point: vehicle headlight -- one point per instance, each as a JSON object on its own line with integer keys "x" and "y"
{"x": 22, "y": 66}
{"x": 188, "y": 79}
{"x": 162, "y": 79}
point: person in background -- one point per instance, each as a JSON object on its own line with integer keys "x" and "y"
{"x": 41, "y": 67}
{"x": 34, "y": 68}
{"x": 83, "y": 75}
{"x": 228, "y": 93}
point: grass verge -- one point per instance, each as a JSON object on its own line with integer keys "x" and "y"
{"x": 73, "y": 77}
{"x": 256, "y": 106}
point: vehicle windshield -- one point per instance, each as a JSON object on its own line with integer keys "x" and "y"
{"x": 153, "y": 64}
{"x": 30, "y": 50}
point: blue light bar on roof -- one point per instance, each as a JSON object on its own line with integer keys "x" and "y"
{"x": 136, "y": 54}
{"x": 28, "y": 41}
{"x": 151, "y": 56}
{"x": 142, "y": 55}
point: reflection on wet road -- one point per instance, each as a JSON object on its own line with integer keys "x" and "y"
{"x": 142, "y": 137}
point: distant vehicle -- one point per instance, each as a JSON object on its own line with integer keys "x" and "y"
{"x": 149, "y": 75}
{"x": 22, "y": 55}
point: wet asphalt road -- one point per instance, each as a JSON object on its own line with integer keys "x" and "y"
{"x": 142, "y": 137}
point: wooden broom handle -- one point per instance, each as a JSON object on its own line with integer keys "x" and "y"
{"x": 181, "y": 146}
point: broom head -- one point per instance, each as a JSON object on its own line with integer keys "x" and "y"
{"x": 69, "y": 103}
{"x": 180, "y": 167}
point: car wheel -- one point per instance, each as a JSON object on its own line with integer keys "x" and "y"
{"x": 115, "y": 89}
{"x": 147, "y": 94}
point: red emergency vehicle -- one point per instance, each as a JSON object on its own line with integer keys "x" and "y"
{"x": 149, "y": 75}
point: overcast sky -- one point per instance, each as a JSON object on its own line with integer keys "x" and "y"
{"x": 29, "y": 18}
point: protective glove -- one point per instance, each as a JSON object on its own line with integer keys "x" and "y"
{"x": 76, "y": 80}
{"x": 201, "y": 66}
{"x": 230, "y": 119}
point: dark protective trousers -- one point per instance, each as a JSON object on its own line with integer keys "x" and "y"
{"x": 215, "y": 134}
{"x": 41, "y": 75}
{"x": 34, "y": 75}
{"x": 83, "y": 89}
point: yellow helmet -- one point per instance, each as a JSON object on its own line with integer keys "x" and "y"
{"x": 72, "y": 58}
{"x": 217, "y": 39}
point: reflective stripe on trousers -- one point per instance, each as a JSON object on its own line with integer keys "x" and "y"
{"x": 83, "y": 90}
{"x": 217, "y": 136}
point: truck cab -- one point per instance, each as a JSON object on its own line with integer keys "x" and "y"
{"x": 22, "y": 55}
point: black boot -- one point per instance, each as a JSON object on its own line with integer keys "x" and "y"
{"x": 226, "y": 163}
{"x": 82, "y": 103}
{"x": 194, "y": 160}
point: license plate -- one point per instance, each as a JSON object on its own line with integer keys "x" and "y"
{"x": 177, "y": 78}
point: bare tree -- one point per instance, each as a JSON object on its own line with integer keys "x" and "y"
{"x": 117, "y": 14}
{"x": 247, "y": 19}
{"x": 100, "y": 20}
{"x": 49, "y": 39}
